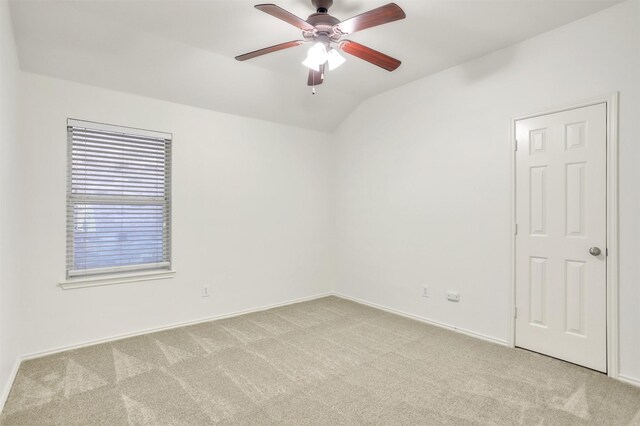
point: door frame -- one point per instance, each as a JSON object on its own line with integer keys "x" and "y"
{"x": 611, "y": 101}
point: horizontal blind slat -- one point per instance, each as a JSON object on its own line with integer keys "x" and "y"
{"x": 113, "y": 167}
{"x": 117, "y": 178}
{"x": 110, "y": 187}
{"x": 88, "y": 152}
{"x": 119, "y": 143}
{"x": 120, "y": 160}
{"x": 116, "y": 256}
{"x": 92, "y": 141}
{"x": 107, "y": 245}
{"x": 84, "y": 199}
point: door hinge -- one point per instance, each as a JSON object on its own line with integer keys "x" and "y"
{"x": 515, "y": 231}
{"x": 606, "y": 251}
{"x": 515, "y": 145}
{"x": 515, "y": 312}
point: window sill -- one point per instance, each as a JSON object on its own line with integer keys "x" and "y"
{"x": 82, "y": 282}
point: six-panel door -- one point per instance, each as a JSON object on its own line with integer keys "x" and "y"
{"x": 561, "y": 215}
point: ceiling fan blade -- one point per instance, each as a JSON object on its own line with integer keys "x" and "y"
{"x": 381, "y": 15}
{"x": 270, "y": 49}
{"x": 316, "y": 77}
{"x": 370, "y": 55}
{"x": 289, "y": 17}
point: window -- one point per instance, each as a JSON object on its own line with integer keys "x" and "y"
{"x": 118, "y": 199}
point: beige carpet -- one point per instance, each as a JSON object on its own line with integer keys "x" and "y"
{"x": 325, "y": 362}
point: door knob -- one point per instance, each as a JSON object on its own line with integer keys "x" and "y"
{"x": 595, "y": 251}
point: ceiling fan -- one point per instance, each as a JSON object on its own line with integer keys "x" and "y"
{"x": 326, "y": 32}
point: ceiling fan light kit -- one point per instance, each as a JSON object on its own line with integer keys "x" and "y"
{"x": 326, "y": 33}
{"x": 334, "y": 59}
{"x": 316, "y": 56}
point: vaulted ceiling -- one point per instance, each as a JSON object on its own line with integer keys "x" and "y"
{"x": 183, "y": 50}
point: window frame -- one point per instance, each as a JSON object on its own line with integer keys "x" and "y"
{"x": 126, "y": 273}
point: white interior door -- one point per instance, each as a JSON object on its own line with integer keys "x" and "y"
{"x": 561, "y": 225}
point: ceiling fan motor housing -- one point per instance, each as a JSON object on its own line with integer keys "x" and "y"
{"x": 324, "y": 25}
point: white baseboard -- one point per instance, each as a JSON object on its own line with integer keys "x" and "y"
{"x": 630, "y": 380}
{"x": 426, "y": 320}
{"x": 9, "y": 384}
{"x": 621, "y": 377}
{"x": 169, "y": 327}
{"x": 16, "y": 366}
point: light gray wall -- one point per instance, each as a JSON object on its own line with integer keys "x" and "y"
{"x": 9, "y": 214}
{"x": 422, "y": 176}
{"x": 251, "y": 215}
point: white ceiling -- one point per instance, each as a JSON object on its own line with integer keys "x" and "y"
{"x": 183, "y": 50}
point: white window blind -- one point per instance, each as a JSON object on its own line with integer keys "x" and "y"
{"x": 118, "y": 199}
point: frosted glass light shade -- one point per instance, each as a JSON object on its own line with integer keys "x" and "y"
{"x": 335, "y": 59}
{"x": 316, "y": 56}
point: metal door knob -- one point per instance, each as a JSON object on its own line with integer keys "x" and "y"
{"x": 595, "y": 251}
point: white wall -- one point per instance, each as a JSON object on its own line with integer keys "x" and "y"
{"x": 422, "y": 176}
{"x": 250, "y": 215}
{"x": 9, "y": 347}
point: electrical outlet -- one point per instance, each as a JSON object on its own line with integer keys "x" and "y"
{"x": 453, "y": 296}
{"x": 425, "y": 291}
{"x": 205, "y": 291}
